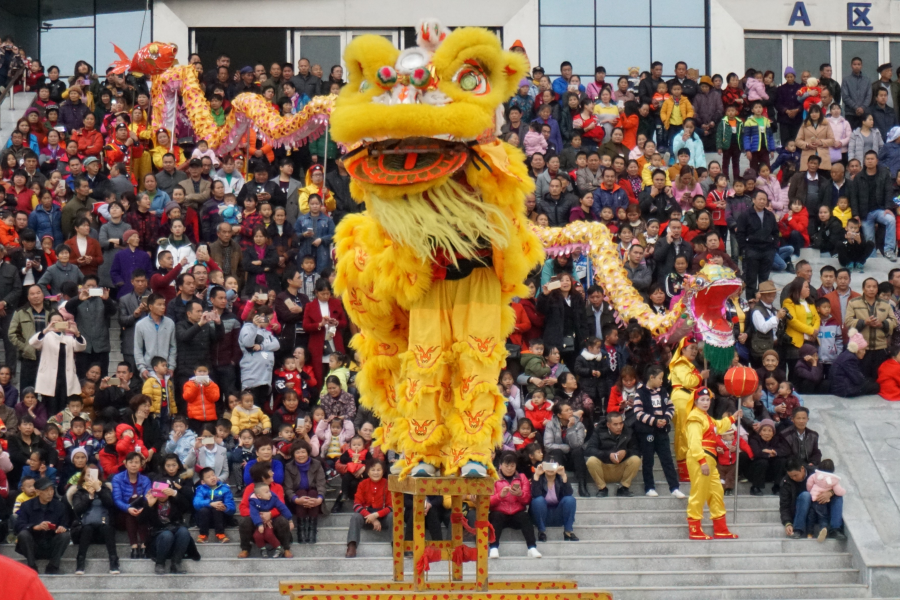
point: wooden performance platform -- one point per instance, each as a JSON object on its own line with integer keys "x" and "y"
{"x": 476, "y": 494}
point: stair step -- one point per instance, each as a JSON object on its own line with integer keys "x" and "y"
{"x": 201, "y": 580}
{"x": 510, "y": 561}
{"x": 510, "y": 549}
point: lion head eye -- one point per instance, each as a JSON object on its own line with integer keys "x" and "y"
{"x": 365, "y": 85}
{"x": 472, "y": 79}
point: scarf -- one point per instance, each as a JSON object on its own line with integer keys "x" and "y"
{"x": 303, "y": 469}
{"x": 260, "y": 253}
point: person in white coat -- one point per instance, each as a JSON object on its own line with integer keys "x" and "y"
{"x": 56, "y": 378}
{"x": 178, "y": 244}
{"x": 258, "y": 346}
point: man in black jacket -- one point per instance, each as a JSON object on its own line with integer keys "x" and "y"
{"x": 795, "y": 504}
{"x": 647, "y": 87}
{"x": 871, "y": 200}
{"x": 757, "y": 235}
{"x": 194, "y": 337}
{"x": 112, "y": 400}
{"x": 655, "y": 200}
{"x": 42, "y": 528}
{"x": 265, "y": 190}
{"x": 291, "y": 315}
{"x": 811, "y": 189}
{"x": 669, "y": 248}
{"x": 10, "y": 294}
{"x": 689, "y": 87}
{"x": 613, "y": 456}
{"x": 804, "y": 442}
{"x": 557, "y": 204}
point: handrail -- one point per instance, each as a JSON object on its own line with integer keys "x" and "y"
{"x": 10, "y": 85}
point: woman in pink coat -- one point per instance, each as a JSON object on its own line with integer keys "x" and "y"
{"x": 509, "y": 505}
{"x": 768, "y": 182}
{"x": 842, "y": 131}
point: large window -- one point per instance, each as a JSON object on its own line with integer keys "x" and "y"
{"x": 73, "y": 30}
{"x": 591, "y": 33}
{"x": 772, "y": 50}
{"x": 766, "y": 55}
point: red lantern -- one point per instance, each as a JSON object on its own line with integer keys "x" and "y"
{"x": 741, "y": 381}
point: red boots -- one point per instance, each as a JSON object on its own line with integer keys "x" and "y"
{"x": 720, "y": 530}
{"x": 695, "y": 531}
{"x": 683, "y": 475}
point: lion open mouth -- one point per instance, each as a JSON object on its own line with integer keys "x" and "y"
{"x": 408, "y": 161}
{"x": 709, "y": 303}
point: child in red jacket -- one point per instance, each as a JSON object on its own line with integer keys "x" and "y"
{"x": 794, "y": 226}
{"x": 727, "y": 457}
{"x": 372, "y": 506}
{"x": 128, "y": 442}
{"x": 538, "y": 410}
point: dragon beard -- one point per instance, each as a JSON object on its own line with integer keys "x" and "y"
{"x": 449, "y": 220}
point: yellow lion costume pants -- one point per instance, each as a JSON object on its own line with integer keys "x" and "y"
{"x": 448, "y": 380}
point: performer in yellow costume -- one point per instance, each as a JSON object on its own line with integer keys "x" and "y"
{"x": 706, "y": 487}
{"x": 685, "y": 378}
{"x": 428, "y": 272}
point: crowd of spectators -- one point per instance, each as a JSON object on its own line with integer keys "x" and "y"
{"x": 235, "y": 401}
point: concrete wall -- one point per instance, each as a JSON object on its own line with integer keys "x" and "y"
{"x": 726, "y": 41}
{"x": 172, "y": 18}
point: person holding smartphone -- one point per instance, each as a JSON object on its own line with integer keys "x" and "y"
{"x": 93, "y": 506}
{"x": 512, "y": 495}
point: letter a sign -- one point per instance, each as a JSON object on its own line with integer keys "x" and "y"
{"x": 799, "y": 15}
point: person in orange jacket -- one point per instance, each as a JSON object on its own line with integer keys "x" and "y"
{"x": 9, "y": 237}
{"x": 201, "y": 394}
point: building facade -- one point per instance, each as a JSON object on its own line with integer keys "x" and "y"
{"x": 714, "y": 36}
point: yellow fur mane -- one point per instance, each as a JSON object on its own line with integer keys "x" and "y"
{"x": 450, "y": 217}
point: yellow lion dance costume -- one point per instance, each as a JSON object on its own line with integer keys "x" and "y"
{"x": 428, "y": 272}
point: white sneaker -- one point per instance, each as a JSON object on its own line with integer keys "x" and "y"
{"x": 473, "y": 469}
{"x": 533, "y": 553}
{"x": 679, "y": 494}
{"x": 495, "y": 553}
{"x": 651, "y": 493}
{"x": 423, "y": 469}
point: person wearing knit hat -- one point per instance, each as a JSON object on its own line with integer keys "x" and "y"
{"x": 128, "y": 260}
{"x": 523, "y": 100}
{"x": 128, "y": 233}
{"x": 846, "y": 373}
{"x": 770, "y": 452}
{"x": 788, "y": 106}
{"x": 706, "y": 486}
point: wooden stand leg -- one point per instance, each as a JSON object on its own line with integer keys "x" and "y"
{"x": 397, "y": 550}
{"x": 418, "y": 538}
{"x": 457, "y": 536}
{"x": 481, "y": 572}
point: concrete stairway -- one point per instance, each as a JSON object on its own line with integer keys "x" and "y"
{"x": 636, "y": 548}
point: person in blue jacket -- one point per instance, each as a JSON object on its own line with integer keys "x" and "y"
{"x": 129, "y": 489}
{"x": 46, "y": 219}
{"x": 315, "y": 231}
{"x": 265, "y": 450}
{"x": 213, "y": 502}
